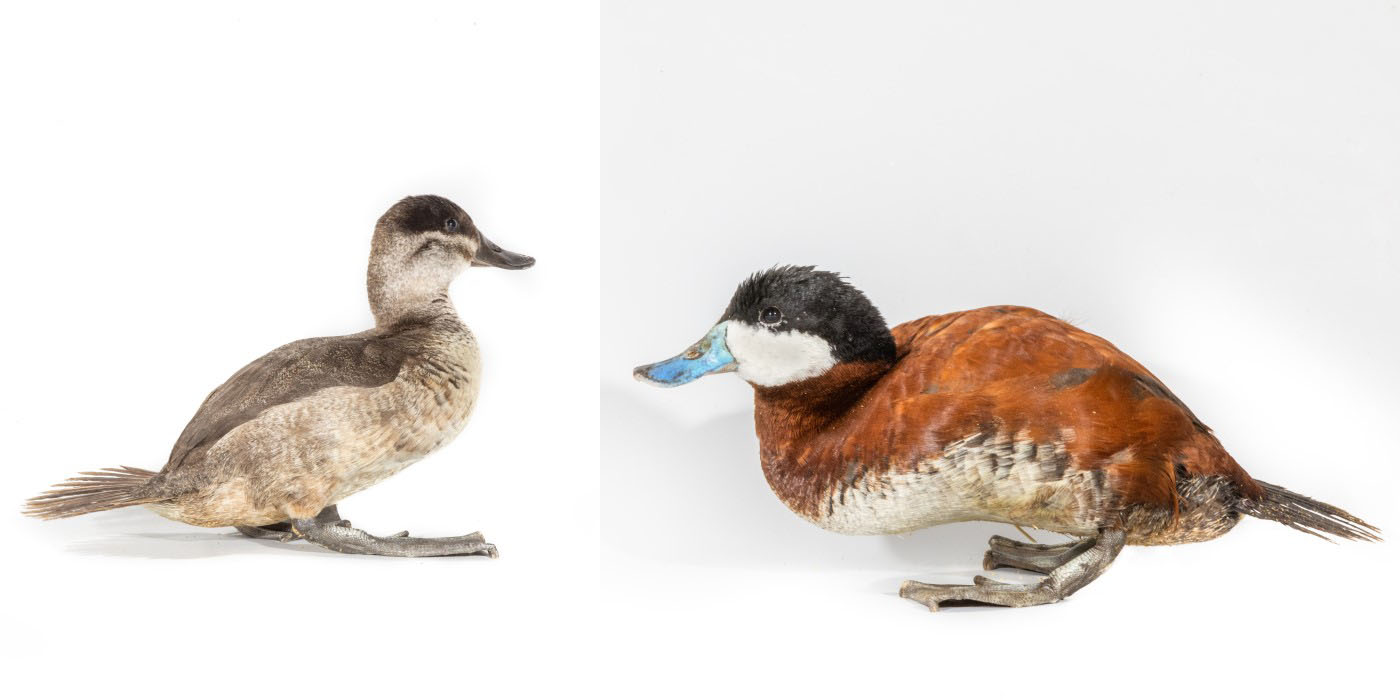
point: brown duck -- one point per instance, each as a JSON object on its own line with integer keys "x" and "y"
{"x": 1003, "y": 414}
{"x": 273, "y": 449}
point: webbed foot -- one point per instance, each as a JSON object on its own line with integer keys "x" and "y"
{"x": 282, "y": 532}
{"x": 330, "y": 517}
{"x": 1082, "y": 562}
{"x": 338, "y": 536}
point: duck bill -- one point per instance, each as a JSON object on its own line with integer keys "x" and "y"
{"x": 491, "y": 255}
{"x": 709, "y": 356}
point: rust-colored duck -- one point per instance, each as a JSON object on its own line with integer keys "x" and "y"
{"x": 275, "y": 447}
{"x": 1003, "y": 414}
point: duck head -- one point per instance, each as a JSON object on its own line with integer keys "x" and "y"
{"x": 783, "y": 325}
{"x": 420, "y": 245}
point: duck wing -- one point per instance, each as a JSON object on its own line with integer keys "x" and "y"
{"x": 287, "y": 374}
{"x": 1008, "y": 371}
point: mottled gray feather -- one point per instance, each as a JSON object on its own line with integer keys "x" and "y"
{"x": 289, "y": 373}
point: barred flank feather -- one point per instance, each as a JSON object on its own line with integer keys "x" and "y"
{"x": 114, "y": 487}
{"x": 1307, "y": 515}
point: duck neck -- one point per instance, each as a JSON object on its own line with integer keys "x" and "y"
{"x": 396, "y": 298}
{"x": 789, "y": 415}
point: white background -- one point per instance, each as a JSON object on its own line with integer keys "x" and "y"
{"x": 1211, "y": 186}
{"x": 185, "y": 189}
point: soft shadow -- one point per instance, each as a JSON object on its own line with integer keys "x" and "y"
{"x": 137, "y": 533}
{"x": 959, "y": 548}
{"x": 692, "y": 495}
{"x": 149, "y": 545}
{"x": 140, "y": 534}
{"x": 964, "y": 539}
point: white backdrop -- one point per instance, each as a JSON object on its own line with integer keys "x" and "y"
{"x": 1211, "y": 186}
{"x": 187, "y": 187}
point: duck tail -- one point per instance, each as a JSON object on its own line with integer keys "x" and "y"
{"x": 1307, "y": 515}
{"x": 90, "y": 492}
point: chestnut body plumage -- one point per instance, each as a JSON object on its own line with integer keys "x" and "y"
{"x": 1002, "y": 414}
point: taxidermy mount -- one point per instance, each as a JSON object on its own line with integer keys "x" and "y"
{"x": 273, "y": 449}
{"x": 1001, "y": 414}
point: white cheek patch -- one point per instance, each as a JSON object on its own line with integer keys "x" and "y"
{"x": 767, "y": 358}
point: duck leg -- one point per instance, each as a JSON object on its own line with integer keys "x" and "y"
{"x": 1040, "y": 558}
{"x": 1062, "y": 581}
{"x": 338, "y": 536}
{"x": 282, "y": 532}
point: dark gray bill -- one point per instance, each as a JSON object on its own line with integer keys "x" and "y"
{"x": 492, "y": 255}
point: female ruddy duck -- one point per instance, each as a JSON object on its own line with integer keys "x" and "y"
{"x": 1003, "y": 414}
{"x": 275, "y": 447}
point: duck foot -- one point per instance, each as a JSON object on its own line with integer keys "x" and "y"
{"x": 1040, "y": 558}
{"x": 1084, "y": 562}
{"x": 338, "y": 536}
{"x": 282, "y": 532}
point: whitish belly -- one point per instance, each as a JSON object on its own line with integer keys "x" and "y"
{"x": 1005, "y": 480}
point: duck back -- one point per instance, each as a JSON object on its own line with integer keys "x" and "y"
{"x": 1004, "y": 414}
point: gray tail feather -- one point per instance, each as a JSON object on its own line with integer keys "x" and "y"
{"x": 90, "y": 492}
{"x": 1307, "y": 515}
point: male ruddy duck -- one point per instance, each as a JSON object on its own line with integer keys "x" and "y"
{"x": 1003, "y": 414}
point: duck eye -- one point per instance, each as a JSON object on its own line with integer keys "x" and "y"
{"x": 451, "y": 225}
{"x": 770, "y": 316}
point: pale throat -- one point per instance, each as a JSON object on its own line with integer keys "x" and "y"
{"x": 398, "y": 293}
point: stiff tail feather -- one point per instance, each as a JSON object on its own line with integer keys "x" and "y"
{"x": 1307, "y": 515}
{"x": 90, "y": 492}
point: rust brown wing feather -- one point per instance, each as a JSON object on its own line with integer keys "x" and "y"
{"x": 1014, "y": 375}
{"x": 1017, "y": 371}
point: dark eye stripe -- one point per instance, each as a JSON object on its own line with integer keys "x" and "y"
{"x": 427, "y": 245}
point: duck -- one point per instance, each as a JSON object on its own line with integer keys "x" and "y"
{"x": 273, "y": 449}
{"x": 1003, "y": 414}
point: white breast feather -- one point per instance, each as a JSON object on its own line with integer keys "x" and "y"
{"x": 1002, "y": 480}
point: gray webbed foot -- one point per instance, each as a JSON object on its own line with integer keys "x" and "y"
{"x": 282, "y": 532}
{"x": 348, "y": 540}
{"x": 331, "y": 517}
{"x": 1082, "y": 562}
